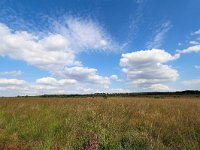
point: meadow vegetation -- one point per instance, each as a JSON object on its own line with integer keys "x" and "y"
{"x": 120, "y": 123}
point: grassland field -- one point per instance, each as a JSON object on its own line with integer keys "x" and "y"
{"x": 131, "y": 123}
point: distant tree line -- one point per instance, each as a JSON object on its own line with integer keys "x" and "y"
{"x": 139, "y": 94}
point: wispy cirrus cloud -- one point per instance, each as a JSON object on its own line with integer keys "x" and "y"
{"x": 84, "y": 35}
{"x": 136, "y": 20}
{"x": 195, "y": 38}
{"x": 159, "y": 35}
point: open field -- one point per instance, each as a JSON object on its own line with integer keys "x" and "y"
{"x": 119, "y": 123}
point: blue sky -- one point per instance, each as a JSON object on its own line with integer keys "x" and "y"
{"x": 89, "y": 46}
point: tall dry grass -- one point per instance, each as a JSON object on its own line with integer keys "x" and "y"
{"x": 119, "y": 123}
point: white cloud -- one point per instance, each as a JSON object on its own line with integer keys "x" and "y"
{"x": 158, "y": 88}
{"x": 84, "y": 34}
{"x": 190, "y": 49}
{"x": 136, "y": 21}
{"x": 197, "y": 67}
{"x": 119, "y": 90}
{"x": 58, "y": 49}
{"x": 194, "y": 42}
{"x": 196, "y": 32}
{"x": 11, "y": 73}
{"x": 50, "y": 85}
{"x": 141, "y": 57}
{"x": 192, "y": 84}
{"x": 8, "y": 82}
{"x": 47, "y": 85}
{"x": 146, "y": 69}
{"x": 14, "y": 87}
{"x": 55, "y": 82}
{"x": 55, "y": 49}
{"x": 114, "y": 77}
{"x": 21, "y": 45}
{"x": 159, "y": 36}
{"x": 85, "y": 75}
{"x": 84, "y": 90}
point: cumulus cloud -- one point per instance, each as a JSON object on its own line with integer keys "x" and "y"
{"x": 84, "y": 75}
{"x": 146, "y": 69}
{"x": 47, "y": 85}
{"x": 11, "y": 87}
{"x": 50, "y": 85}
{"x": 11, "y": 73}
{"x": 159, "y": 87}
{"x": 114, "y": 77}
{"x": 56, "y": 50}
{"x": 119, "y": 90}
{"x": 21, "y": 45}
{"x": 8, "y": 82}
{"x": 54, "y": 82}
